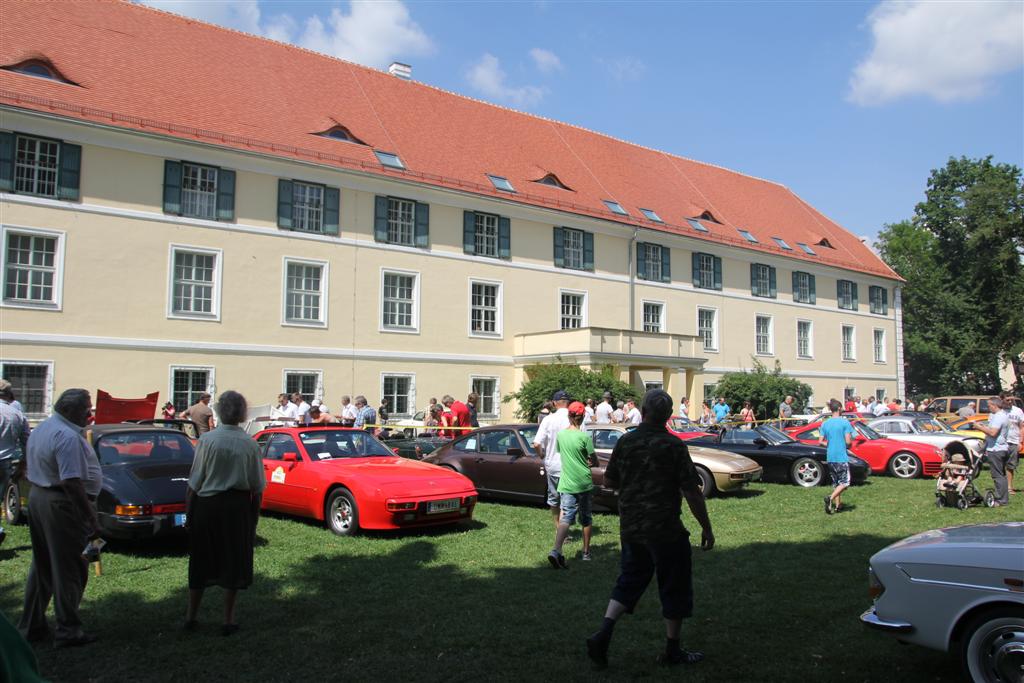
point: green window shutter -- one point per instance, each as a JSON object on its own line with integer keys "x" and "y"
{"x": 795, "y": 285}
{"x": 695, "y": 266}
{"x": 853, "y": 287}
{"x": 718, "y": 272}
{"x": 666, "y": 264}
{"x": 380, "y": 219}
{"x": 641, "y": 261}
{"x": 839, "y": 293}
{"x": 504, "y": 238}
{"x": 810, "y": 289}
{"x": 225, "y": 195}
{"x": 70, "y": 171}
{"x": 285, "y": 196}
{"x": 773, "y": 288}
{"x": 172, "y": 187}
{"x": 332, "y": 210}
{"x": 468, "y": 232}
{"x": 754, "y": 289}
{"x": 6, "y": 162}
{"x": 559, "y": 247}
{"x": 885, "y": 301}
{"x": 588, "y": 251}
{"x": 422, "y": 225}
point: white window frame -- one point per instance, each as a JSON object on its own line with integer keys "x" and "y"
{"x": 759, "y": 270}
{"x": 771, "y": 334}
{"x": 499, "y": 304}
{"x": 571, "y": 262}
{"x": 35, "y": 166}
{"x": 411, "y": 395}
{"x": 48, "y": 388}
{"x": 218, "y": 270}
{"x": 200, "y": 193}
{"x": 211, "y": 378}
{"x": 325, "y": 274}
{"x": 880, "y": 393}
{"x": 853, "y": 343}
{"x": 397, "y": 225}
{"x": 840, "y": 298}
{"x": 803, "y": 275}
{"x": 714, "y": 328}
{"x": 874, "y": 349}
{"x": 417, "y": 279}
{"x": 652, "y": 255}
{"x": 481, "y": 224}
{"x": 662, "y": 318}
{"x": 298, "y": 210}
{"x": 585, "y": 322}
{"x": 57, "y": 304}
{"x": 318, "y": 393}
{"x": 810, "y": 339}
{"x": 496, "y": 396}
{"x": 709, "y": 282}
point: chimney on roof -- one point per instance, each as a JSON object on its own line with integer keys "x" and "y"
{"x": 403, "y": 71}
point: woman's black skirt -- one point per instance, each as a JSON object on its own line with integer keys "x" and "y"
{"x": 222, "y": 529}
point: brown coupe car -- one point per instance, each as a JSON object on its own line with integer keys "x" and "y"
{"x": 501, "y": 463}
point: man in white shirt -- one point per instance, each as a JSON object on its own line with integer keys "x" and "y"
{"x": 604, "y": 410}
{"x": 284, "y": 408}
{"x": 879, "y": 409}
{"x": 545, "y": 443}
{"x": 910, "y": 405}
{"x": 348, "y": 412}
{"x": 633, "y": 416}
{"x": 301, "y": 408}
{"x": 684, "y": 407}
{"x": 619, "y": 415}
{"x": 1013, "y": 437}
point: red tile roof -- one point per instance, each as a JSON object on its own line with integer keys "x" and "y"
{"x": 140, "y": 68}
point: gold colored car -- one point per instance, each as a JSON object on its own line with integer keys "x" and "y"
{"x": 718, "y": 470}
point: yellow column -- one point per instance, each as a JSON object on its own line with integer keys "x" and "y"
{"x": 674, "y": 382}
{"x": 691, "y": 388}
{"x": 626, "y": 374}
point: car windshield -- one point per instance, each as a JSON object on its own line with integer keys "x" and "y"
{"x": 867, "y": 432}
{"x": 528, "y": 434}
{"x": 328, "y": 444}
{"x": 774, "y": 435}
{"x": 682, "y": 424}
{"x": 926, "y": 425}
{"x": 147, "y": 447}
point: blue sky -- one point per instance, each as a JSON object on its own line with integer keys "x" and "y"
{"x": 849, "y": 104}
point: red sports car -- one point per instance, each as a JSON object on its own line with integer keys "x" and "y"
{"x": 352, "y": 481}
{"x": 902, "y": 459}
{"x": 685, "y": 428}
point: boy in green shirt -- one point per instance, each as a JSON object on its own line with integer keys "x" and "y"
{"x": 575, "y": 485}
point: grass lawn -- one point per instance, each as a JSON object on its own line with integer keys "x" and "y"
{"x": 778, "y": 599}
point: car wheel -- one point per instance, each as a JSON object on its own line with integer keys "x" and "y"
{"x": 992, "y": 647}
{"x": 341, "y": 513}
{"x": 13, "y": 514}
{"x": 707, "y": 482}
{"x": 904, "y": 465}
{"x": 807, "y": 472}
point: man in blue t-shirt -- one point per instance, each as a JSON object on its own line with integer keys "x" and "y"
{"x": 721, "y": 410}
{"x": 837, "y": 434}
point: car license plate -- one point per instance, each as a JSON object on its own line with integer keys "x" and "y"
{"x": 437, "y": 506}
{"x": 179, "y": 519}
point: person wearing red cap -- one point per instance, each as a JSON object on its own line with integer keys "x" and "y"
{"x": 575, "y": 485}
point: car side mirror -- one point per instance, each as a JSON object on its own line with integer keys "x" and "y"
{"x": 760, "y": 442}
{"x": 517, "y": 452}
{"x": 291, "y": 457}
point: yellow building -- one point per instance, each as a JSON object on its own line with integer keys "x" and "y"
{"x": 266, "y": 218}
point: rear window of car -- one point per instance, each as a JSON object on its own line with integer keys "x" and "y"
{"x": 528, "y": 434}
{"x": 149, "y": 447}
{"x": 329, "y": 444}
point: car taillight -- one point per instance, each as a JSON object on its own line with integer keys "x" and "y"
{"x": 875, "y": 587}
{"x": 395, "y": 506}
{"x": 133, "y": 510}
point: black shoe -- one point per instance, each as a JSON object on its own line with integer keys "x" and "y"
{"x": 597, "y": 650}
{"x": 828, "y": 505}
{"x": 190, "y": 625}
{"x": 680, "y": 656}
{"x": 229, "y": 629}
{"x": 557, "y": 560}
{"x": 77, "y": 641}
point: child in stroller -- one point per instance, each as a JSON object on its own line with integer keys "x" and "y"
{"x": 955, "y": 485}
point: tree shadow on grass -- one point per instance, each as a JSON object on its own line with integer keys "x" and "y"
{"x": 764, "y": 611}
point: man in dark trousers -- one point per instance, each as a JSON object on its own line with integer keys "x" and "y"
{"x": 66, "y": 478}
{"x": 653, "y": 472}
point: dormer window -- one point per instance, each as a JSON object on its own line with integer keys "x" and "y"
{"x": 651, "y": 215}
{"x": 708, "y": 216}
{"x": 38, "y": 68}
{"x": 552, "y": 180}
{"x": 500, "y": 183}
{"x": 823, "y": 242}
{"x": 615, "y": 207}
{"x": 341, "y": 133}
{"x": 389, "y": 159}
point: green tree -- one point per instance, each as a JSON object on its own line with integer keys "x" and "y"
{"x": 544, "y": 380}
{"x": 961, "y": 256}
{"x": 764, "y": 388}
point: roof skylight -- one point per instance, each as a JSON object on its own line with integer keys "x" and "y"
{"x": 746, "y": 235}
{"x": 651, "y": 215}
{"x": 552, "y": 180}
{"x": 615, "y": 207}
{"x": 806, "y": 248}
{"x": 501, "y": 183}
{"x": 696, "y": 224}
{"x": 389, "y": 159}
{"x": 782, "y": 243}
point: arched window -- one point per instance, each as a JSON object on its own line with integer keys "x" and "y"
{"x": 38, "y": 68}
{"x": 552, "y": 180}
{"x": 340, "y": 133}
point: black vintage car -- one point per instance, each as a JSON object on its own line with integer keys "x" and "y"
{"x": 784, "y": 460}
{"x": 415, "y": 447}
{"x": 145, "y": 476}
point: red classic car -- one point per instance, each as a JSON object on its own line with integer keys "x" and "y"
{"x": 685, "y": 428}
{"x": 902, "y": 459}
{"x": 352, "y": 481}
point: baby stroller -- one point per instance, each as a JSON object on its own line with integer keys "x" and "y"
{"x": 955, "y": 485}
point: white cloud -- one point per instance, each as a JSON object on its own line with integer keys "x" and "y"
{"x": 546, "y": 60}
{"x": 488, "y": 77}
{"x": 624, "y": 69}
{"x": 372, "y": 33}
{"x": 948, "y": 51}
